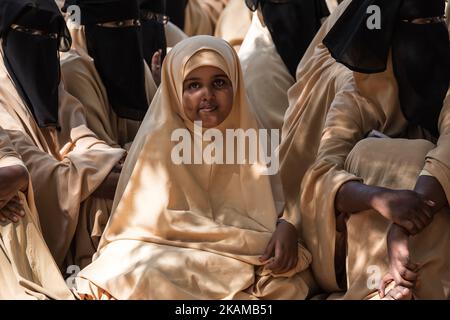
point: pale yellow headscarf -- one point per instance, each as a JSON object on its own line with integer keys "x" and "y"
{"x": 228, "y": 196}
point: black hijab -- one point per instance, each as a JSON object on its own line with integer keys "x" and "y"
{"x": 175, "y": 9}
{"x": 32, "y": 32}
{"x": 420, "y": 52}
{"x": 153, "y": 32}
{"x": 292, "y": 25}
{"x": 117, "y": 53}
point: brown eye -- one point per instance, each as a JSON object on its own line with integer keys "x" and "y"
{"x": 219, "y": 83}
{"x": 193, "y": 86}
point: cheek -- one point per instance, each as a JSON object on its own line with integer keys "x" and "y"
{"x": 226, "y": 101}
{"x": 189, "y": 103}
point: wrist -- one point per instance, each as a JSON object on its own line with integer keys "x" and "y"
{"x": 375, "y": 197}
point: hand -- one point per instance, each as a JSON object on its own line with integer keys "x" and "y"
{"x": 156, "y": 67}
{"x": 283, "y": 248}
{"x": 12, "y": 211}
{"x": 12, "y": 180}
{"x": 405, "y": 208}
{"x": 401, "y": 270}
{"x": 108, "y": 187}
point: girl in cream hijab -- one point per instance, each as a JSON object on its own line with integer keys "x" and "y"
{"x": 196, "y": 231}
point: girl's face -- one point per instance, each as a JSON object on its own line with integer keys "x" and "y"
{"x": 207, "y": 96}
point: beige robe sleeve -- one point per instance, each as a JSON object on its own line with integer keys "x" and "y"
{"x": 349, "y": 119}
{"x": 27, "y": 269}
{"x": 61, "y": 184}
{"x": 438, "y": 160}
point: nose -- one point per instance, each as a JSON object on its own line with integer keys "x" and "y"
{"x": 208, "y": 93}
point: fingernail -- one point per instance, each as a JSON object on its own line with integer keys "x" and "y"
{"x": 15, "y": 219}
{"x": 431, "y": 203}
{"x": 22, "y": 213}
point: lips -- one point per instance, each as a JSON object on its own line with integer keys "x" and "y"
{"x": 206, "y": 107}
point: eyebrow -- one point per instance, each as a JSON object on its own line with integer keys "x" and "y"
{"x": 197, "y": 79}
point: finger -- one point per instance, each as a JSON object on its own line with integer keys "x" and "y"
{"x": 427, "y": 209}
{"x": 400, "y": 281}
{"x": 430, "y": 203}
{"x": 292, "y": 262}
{"x": 407, "y": 274}
{"x": 278, "y": 262}
{"x": 3, "y": 219}
{"x": 285, "y": 266}
{"x": 414, "y": 267}
{"x": 9, "y": 215}
{"x": 409, "y": 226}
{"x": 424, "y": 214}
{"x": 418, "y": 224}
{"x": 14, "y": 207}
{"x": 399, "y": 293}
{"x": 268, "y": 253}
{"x": 388, "y": 278}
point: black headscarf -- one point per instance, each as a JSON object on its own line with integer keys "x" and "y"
{"x": 420, "y": 52}
{"x": 175, "y": 9}
{"x": 292, "y": 25}
{"x": 32, "y": 59}
{"x": 117, "y": 53}
{"x": 153, "y": 32}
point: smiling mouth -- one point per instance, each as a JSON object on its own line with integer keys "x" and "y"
{"x": 208, "y": 108}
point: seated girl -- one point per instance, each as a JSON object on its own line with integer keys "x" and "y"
{"x": 185, "y": 230}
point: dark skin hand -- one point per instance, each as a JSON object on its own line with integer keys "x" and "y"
{"x": 411, "y": 212}
{"x": 12, "y": 180}
{"x": 430, "y": 188}
{"x": 108, "y": 187}
{"x": 282, "y": 248}
{"x": 407, "y": 208}
{"x": 401, "y": 270}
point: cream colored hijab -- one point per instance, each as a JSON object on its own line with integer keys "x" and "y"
{"x": 229, "y": 209}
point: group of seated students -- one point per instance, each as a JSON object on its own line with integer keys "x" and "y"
{"x": 89, "y": 104}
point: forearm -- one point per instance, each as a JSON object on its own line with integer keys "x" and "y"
{"x": 14, "y": 177}
{"x": 431, "y": 189}
{"x": 355, "y": 196}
